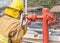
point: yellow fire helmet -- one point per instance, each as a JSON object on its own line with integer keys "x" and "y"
{"x": 14, "y": 8}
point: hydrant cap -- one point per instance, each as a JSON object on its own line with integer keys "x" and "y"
{"x": 45, "y": 10}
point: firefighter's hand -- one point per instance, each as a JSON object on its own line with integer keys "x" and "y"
{"x": 25, "y": 30}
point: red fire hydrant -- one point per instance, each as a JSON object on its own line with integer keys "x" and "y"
{"x": 48, "y": 19}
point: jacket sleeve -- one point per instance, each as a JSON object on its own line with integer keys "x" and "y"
{"x": 17, "y": 33}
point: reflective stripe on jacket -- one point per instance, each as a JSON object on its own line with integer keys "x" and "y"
{"x": 3, "y": 39}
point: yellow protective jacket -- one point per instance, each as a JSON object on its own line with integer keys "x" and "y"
{"x": 11, "y": 29}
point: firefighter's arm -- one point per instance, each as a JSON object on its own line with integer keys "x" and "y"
{"x": 21, "y": 32}
{"x": 16, "y": 33}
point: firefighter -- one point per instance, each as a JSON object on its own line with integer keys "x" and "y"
{"x": 11, "y": 30}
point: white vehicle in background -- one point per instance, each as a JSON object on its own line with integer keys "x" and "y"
{"x": 36, "y": 28}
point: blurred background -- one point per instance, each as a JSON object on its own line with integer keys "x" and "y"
{"x": 35, "y": 6}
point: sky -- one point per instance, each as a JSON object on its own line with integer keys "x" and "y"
{"x": 4, "y": 3}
